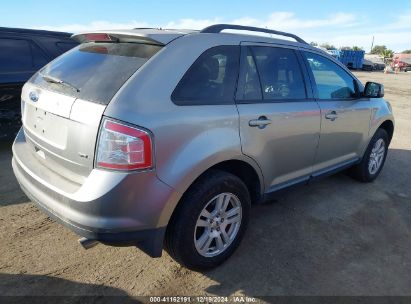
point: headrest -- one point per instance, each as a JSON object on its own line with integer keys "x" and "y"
{"x": 213, "y": 67}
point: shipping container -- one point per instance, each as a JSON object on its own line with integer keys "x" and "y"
{"x": 352, "y": 59}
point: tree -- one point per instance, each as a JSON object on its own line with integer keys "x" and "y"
{"x": 406, "y": 52}
{"x": 387, "y": 55}
{"x": 328, "y": 46}
{"x": 312, "y": 43}
{"x": 378, "y": 49}
{"x": 353, "y": 48}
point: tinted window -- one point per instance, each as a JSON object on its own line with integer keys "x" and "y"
{"x": 331, "y": 80}
{"x": 280, "y": 74}
{"x": 98, "y": 70}
{"x": 211, "y": 79}
{"x": 15, "y": 55}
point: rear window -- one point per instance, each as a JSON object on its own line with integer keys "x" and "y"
{"x": 96, "y": 70}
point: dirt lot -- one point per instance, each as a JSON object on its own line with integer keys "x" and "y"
{"x": 333, "y": 237}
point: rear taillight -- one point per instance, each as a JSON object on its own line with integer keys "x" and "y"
{"x": 122, "y": 147}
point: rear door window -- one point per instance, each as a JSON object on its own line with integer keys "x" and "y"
{"x": 95, "y": 71}
{"x": 211, "y": 79}
{"x": 280, "y": 74}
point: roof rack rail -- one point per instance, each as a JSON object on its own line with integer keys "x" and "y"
{"x": 217, "y": 28}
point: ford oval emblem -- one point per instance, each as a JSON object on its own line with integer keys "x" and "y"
{"x": 34, "y": 96}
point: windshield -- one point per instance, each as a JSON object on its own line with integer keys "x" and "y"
{"x": 94, "y": 71}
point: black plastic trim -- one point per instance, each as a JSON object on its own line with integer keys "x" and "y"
{"x": 262, "y": 101}
{"x": 274, "y": 192}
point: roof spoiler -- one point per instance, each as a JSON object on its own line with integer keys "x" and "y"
{"x": 150, "y": 36}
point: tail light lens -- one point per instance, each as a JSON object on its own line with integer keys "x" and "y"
{"x": 122, "y": 147}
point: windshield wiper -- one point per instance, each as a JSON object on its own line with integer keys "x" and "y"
{"x": 52, "y": 79}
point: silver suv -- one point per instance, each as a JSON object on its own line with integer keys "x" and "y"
{"x": 152, "y": 137}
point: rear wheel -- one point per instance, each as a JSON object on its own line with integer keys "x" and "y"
{"x": 374, "y": 158}
{"x": 210, "y": 221}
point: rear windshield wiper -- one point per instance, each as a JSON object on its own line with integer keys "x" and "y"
{"x": 52, "y": 79}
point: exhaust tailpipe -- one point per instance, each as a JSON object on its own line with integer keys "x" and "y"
{"x": 86, "y": 243}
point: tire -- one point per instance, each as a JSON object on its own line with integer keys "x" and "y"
{"x": 363, "y": 171}
{"x": 187, "y": 229}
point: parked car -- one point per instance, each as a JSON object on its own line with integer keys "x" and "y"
{"x": 148, "y": 137}
{"x": 407, "y": 64}
{"x": 404, "y": 64}
{"x": 378, "y": 62}
{"x": 367, "y": 65}
{"x": 23, "y": 52}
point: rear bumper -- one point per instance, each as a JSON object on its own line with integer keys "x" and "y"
{"x": 114, "y": 208}
{"x": 149, "y": 240}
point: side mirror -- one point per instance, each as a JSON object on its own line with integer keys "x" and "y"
{"x": 373, "y": 90}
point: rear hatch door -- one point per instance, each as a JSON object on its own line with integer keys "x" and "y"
{"x": 62, "y": 105}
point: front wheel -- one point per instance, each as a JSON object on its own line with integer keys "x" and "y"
{"x": 209, "y": 222}
{"x": 374, "y": 158}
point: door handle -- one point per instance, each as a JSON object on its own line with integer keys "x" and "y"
{"x": 331, "y": 115}
{"x": 261, "y": 122}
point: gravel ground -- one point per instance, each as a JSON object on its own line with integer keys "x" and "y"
{"x": 333, "y": 237}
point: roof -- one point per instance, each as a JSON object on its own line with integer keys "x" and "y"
{"x": 33, "y": 32}
{"x": 402, "y": 55}
{"x": 165, "y": 36}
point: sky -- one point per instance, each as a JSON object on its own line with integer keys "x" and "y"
{"x": 340, "y": 23}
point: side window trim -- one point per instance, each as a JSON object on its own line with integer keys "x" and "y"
{"x": 250, "y": 49}
{"x": 310, "y": 86}
{"x": 239, "y": 92}
{"x": 241, "y": 80}
{"x": 314, "y": 84}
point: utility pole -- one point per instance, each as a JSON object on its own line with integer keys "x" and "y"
{"x": 372, "y": 44}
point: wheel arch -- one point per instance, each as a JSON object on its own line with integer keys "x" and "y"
{"x": 248, "y": 172}
{"x": 388, "y": 126}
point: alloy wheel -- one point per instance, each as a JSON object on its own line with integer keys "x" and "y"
{"x": 376, "y": 156}
{"x": 218, "y": 224}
